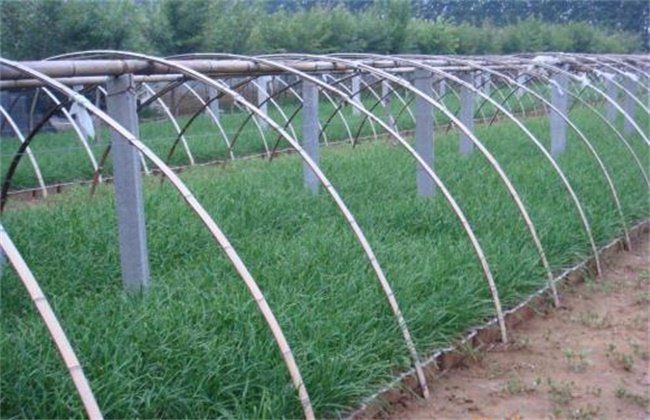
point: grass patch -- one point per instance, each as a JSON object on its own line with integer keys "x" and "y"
{"x": 195, "y": 345}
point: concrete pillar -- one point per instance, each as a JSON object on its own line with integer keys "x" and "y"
{"x": 560, "y": 100}
{"x": 424, "y": 141}
{"x": 486, "y": 84}
{"x": 262, "y": 96}
{"x": 466, "y": 114}
{"x": 386, "y": 102}
{"x": 310, "y": 131}
{"x": 214, "y": 105}
{"x": 127, "y": 171}
{"x": 630, "y": 104}
{"x": 442, "y": 88}
{"x": 521, "y": 78}
{"x": 356, "y": 94}
{"x": 612, "y": 92}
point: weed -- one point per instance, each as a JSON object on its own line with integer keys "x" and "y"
{"x": 577, "y": 362}
{"x": 642, "y": 298}
{"x": 561, "y": 392}
{"x": 592, "y": 319}
{"x": 640, "y": 400}
{"x": 639, "y": 350}
{"x": 619, "y": 359}
{"x": 587, "y": 412}
{"x": 644, "y": 278}
{"x": 516, "y": 385}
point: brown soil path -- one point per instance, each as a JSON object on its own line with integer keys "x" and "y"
{"x": 587, "y": 359}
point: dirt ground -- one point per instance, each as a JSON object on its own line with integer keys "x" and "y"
{"x": 587, "y": 359}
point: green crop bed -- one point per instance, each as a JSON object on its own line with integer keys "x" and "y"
{"x": 195, "y": 344}
{"x": 62, "y": 158}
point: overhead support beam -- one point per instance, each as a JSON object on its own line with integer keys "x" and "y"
{"x": 121, "y": 105}
{"x": 559, "y": 100}
{"x": 310, "y": 132}
{"x": 467, "y": 97}
{"x": 424, "y": 141}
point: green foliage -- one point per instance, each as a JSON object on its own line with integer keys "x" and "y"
{"x": 33, "y": 29}
{"x": 195, "y": 346}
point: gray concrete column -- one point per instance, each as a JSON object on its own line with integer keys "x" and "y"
{"x": 630, "y": 104}
{"x": 356, "y": 94}
{"x": 127, "y": 172}
{"x": 262, "y": 96}
{"x": 310, "y": 132}
{"x": 612, "y": 92}
{"x": 466, "y": 113}
{"x": 214, "y": 105}
{"x": 560, "y": 100}
{"x": 424, "y": 141}
{"x": 386, "y": 102}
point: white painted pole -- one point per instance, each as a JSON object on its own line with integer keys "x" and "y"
{"x": 310, "y": 131}
{"x": 630, "y": 105}
{"x": 423, "y": 81}
{"x": 127, "y": 172}
{"x": 466, "y": 114}
{"x": 560, "y": 100}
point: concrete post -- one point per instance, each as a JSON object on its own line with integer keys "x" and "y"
{"x": 356, "y": 94}
{"x": 521, "y": 79}
{"x": 466, "y": 114}
{"x": 630, "y": 105}
{"x": 214, "y": 105}
{"x": 442, "y": 88}
{"x": 612, "y": 92}
{"x": 386, "y": 102}
{"x": 560, "y": 100}
{"x": 121, "y": 105}
{"x": 484, "y": 82}
{"x": 262, "y": 96}
{"x": 310, "y": 131}
{"x": 424, "y": 140}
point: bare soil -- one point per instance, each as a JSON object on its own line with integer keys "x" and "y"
{"x": 586, "y": 359}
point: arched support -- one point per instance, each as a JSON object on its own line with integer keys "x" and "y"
{"x": 194, "y": 204}
{"x": 30, "y": 155}
{"x": 53, "y": 326}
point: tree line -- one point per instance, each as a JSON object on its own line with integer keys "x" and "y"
{"x": 35, "y": 29}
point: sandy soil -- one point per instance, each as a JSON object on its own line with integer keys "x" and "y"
{"x": 587, "y": 359}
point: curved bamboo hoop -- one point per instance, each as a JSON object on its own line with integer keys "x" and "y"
{"x": 351, "y": 221}
{"x": 30, "y": 155}
{"x": 599, "y": 161}
{"x": 82, "y": 138}
{"x": 53, "y": 326}
{"x": 448, "y": 196}
{"x": 206, "y": 107}
{"x": 174, "y": 122}
{"x": 548, "y": 157}
{"x": 214, "y": 229}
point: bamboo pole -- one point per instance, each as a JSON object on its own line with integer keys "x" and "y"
{"x": 53, "y": 326}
